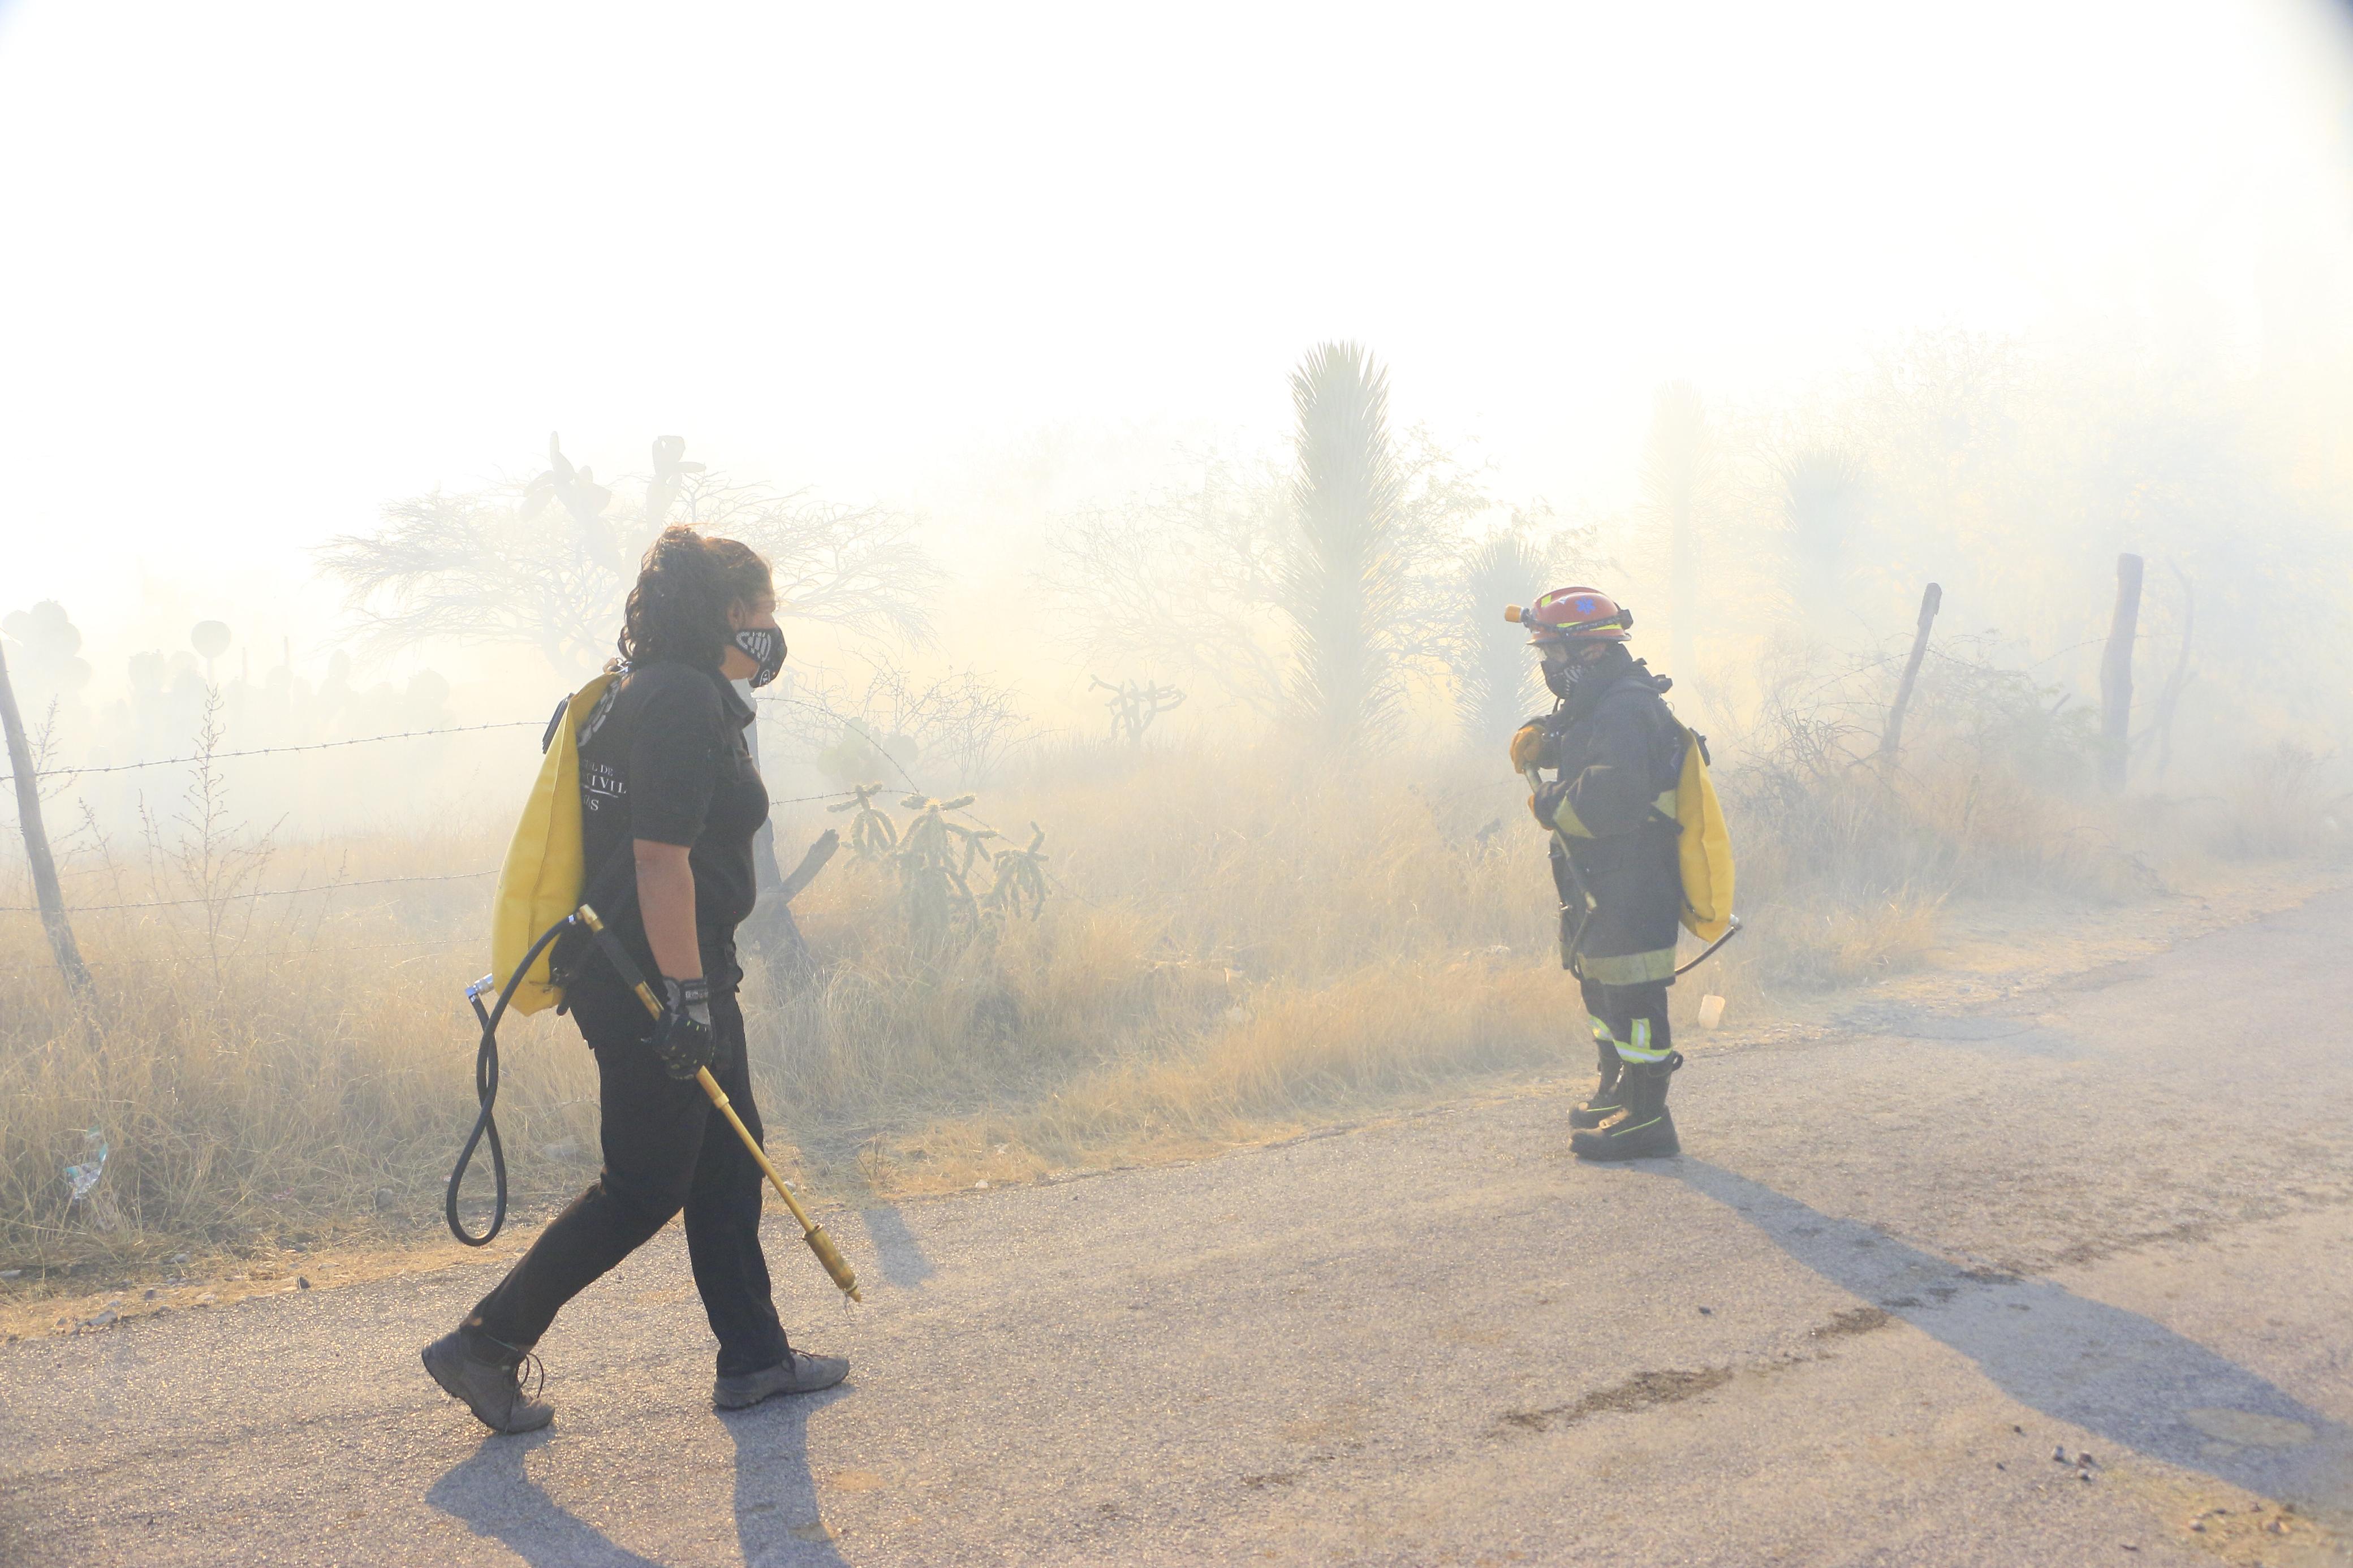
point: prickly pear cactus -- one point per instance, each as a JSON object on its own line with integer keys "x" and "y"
{"x": 1020, "y": 879}
{"x": 872, "y": 834}
{"x": 938, "y": 863}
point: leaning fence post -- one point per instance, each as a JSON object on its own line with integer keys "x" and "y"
{"x": 1891, "y": 740}
{"x": 2116, "y": 677}
{"x": 37, "y": 843}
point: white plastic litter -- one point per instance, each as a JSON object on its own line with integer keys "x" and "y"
{"x": 83, "y": 1176}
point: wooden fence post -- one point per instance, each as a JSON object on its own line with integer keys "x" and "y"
{"x": 774, "y": 930}
{"x": 46, "y": 891}
{"x": 2116, "y": 677}
{"x": 1891, "y": 740}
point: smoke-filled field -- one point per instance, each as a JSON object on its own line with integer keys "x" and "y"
{"x": 1235, "y": 850}
{"x": 1519, "y": 783}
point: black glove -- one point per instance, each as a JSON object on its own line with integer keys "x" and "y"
{"x": 683, "y": 1036}
{"x": 1545, "y": 801}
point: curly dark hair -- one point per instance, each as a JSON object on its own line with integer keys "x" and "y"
{"x": 678, "y": 610}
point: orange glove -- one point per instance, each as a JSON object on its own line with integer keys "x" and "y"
{"x": 1527, "y": 747}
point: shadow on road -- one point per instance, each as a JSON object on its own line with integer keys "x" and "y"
{"x": 902, "y": 1260}
{"x": 778, "y": 1522}
{"x": 491, "y": 1495}
{"x": 2111, "y": 1371}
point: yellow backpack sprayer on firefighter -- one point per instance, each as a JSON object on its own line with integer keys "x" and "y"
{"x": 539, "y": 901}
{"x": 1703, "y": 859}
{"x": 1702, "y": 844}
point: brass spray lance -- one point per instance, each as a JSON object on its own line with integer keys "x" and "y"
{"x": 813, "y": 1233}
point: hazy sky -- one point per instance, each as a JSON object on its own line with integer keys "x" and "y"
{"x": 266, "y": 265}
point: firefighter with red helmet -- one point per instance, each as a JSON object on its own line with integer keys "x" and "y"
{"x": 1615, "y": 754}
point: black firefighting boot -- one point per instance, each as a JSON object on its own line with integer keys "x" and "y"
{"x": 1646, "y": 1130}
{"x": 488, "y": 1375}
{"x": 1608, "y": 1098}
{"x": 798, "y": 1373}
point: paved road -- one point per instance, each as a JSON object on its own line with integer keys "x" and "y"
{"x": 1898, "y": 1267}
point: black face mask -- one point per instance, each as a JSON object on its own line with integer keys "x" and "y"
{"x": 1606, "y": 661}
{"x": 765, "y": 646}
{"x": 1562, "y": 679}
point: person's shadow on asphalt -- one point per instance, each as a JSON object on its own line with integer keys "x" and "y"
{"x": 895, "y": 1248}
{"x": 777, "y": 1520}
{"x": 778, "y": 1523}
{"x": 490, "y": 1494}
{"x": 2115, "y": 1372}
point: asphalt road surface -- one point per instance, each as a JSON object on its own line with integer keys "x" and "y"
{"x": 1897, "y": 1270}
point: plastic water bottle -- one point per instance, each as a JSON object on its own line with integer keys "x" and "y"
{"x": 83, "y": 1176}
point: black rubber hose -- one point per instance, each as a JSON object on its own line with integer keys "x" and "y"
{"x": 486, "y": 1093}
{"x": 1731, "y": 929}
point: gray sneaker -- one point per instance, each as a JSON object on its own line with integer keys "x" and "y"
{"x": 492, "y": 1390}
{"x": 798, "y": 1373}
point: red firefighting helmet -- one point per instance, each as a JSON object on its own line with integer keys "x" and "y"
{"x": 1572, "y": 616}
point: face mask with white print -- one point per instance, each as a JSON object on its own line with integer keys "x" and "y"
{"x": 765, "y": 646}
{"x": 1561, "y": 678}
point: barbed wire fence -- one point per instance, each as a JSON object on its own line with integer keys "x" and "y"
{"x": 37, "y": 774}
{"x": 275, "y": 751}
{"x": 1024, "y": 866}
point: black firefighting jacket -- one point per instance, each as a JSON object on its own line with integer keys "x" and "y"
{"x": 1619, "y": 753}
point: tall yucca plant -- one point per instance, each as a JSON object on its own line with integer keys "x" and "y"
{"x": 1341, "y": 578}
{"x": 1496, "y": 684}
{"x": 1676, "y": 463}
{"x": 1821, "y": 504}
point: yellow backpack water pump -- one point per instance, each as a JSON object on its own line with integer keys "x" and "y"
{"x": 537, "y": 902}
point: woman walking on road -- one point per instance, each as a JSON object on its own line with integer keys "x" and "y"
{"x": 669, "y": 802}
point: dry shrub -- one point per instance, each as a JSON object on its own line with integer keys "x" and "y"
{"x": 1236, "y": 942}
{"x": 1848, "y": 856}
{"x": 1818, "y": 947}
{"x": 2275, "y": 807}
{"x": 1194, "y": 891}
{"x": 315, "y": 1077}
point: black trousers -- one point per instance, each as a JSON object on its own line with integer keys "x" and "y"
{"x": 1631, "y": 1019}
{"x": 665, "y": 1148}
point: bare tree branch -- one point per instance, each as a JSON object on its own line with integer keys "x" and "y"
{"x": 500, "y": 565}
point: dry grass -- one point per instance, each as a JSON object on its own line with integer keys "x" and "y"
{"x": 320, "y": 1063}
{"x": 1239, "y": 945}
{"x": 2277, "y": 808}
{"x": 1231, "y": 951}
{"x": 1226, "y": 952}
